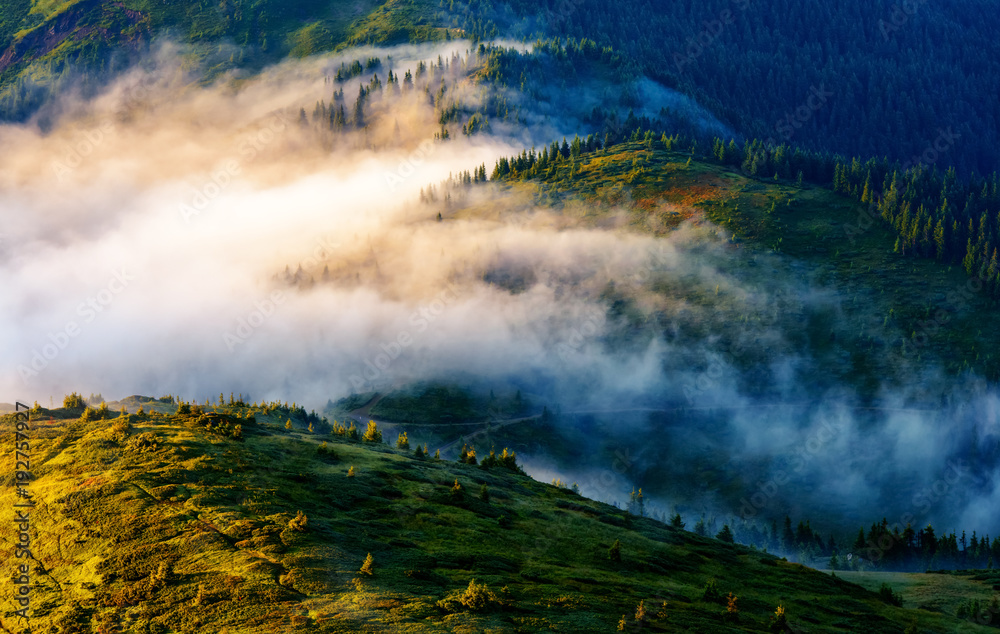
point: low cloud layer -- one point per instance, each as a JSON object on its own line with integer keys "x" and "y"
{"x": 167, "y": 238}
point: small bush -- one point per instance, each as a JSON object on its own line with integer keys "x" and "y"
{"x": 779, "y": 622}
{"x": 299, "y": 521}
{"x": 477, "y": 597}
{"x": 732, "y": 614}
{"x": 468, "y": 455}
{"x": 143, "y": 443}
{"x": 886, "y": 594}
{"x": 368, "y": 567}
{"x": 121, "y": 428}
{"x": 484, "y": 494}
{"x": 711, "y": 592}
{"x": 615, "y": 552}
{"x": 457, "y": 492}
{"x": 402, "y": 442}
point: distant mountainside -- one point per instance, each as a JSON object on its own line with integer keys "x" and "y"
{"x": 858, "y": 78}
{"x": 869, "y": 79}
{"x": 236, "y": 518}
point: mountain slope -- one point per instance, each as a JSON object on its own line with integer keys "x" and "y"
{"x": 166, "y": 524}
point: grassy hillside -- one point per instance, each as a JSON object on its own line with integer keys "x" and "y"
{"x": 41, "y": 42}
{"x": 895, "y": 310}
{"x": 167, "y": 523}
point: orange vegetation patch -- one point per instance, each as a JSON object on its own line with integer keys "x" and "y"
{"x": 647, "y": 204}
{"x": 691, "y": 195}
{"x": 92, "y": 481}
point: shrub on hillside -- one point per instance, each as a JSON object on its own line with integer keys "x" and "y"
{"x": 299, "y": 521}
{"x": 121, "y": 428}
{"x": 373, "y": 433}
{"x": 886, "y": 594}
{"x": 74, "y": 401}
{"x": 468, "y": 455}
{"x": 732, "y": 613}
{"x": 477, "y": 597}
{"x": 615, "y": 552}
{"x": 368, "y": 567}
{"x": 507, "y": 460}
{"x": 711, "y": 592}
{"x": 779, "y": 622}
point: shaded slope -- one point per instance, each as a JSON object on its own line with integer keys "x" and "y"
{"x": 171, "y": 527}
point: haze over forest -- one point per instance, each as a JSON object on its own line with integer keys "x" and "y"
{"x": 564, "y": 232}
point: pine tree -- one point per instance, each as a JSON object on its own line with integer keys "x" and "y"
{"x": 725, "y": 535}
{"x": 402, "y": 442}
{"x": 373, "y": 433}
{"x": 834, "y": 563}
